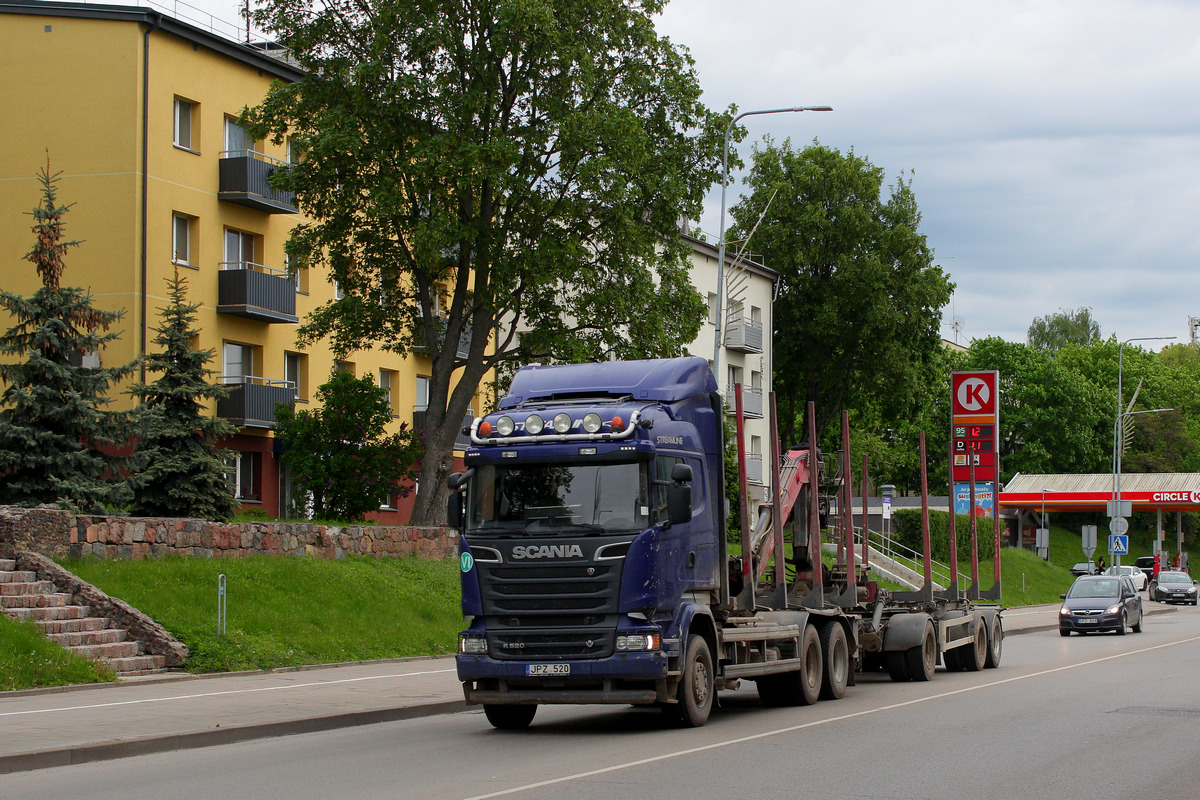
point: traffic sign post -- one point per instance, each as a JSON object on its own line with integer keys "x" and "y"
{"x": 1118, "y": 545}
{"x": 1089, "y": 541}
{"x": 1119, "y": 526}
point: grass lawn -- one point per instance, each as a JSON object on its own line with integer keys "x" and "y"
{"x": 286, "y": 611}
{"x": 28, "y": 660}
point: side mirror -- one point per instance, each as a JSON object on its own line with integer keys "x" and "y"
{"x": 681, "y": 473}
{"x": 679, "y": 503}
{"x": 458, "y": 479}
{"x": 1062, "y": 597}
{"x": 454, "y": 511}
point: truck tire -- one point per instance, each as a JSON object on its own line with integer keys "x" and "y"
{"x": 696, "y": 686}
{"x": 922, "y": 659}
{"x": 975, "y": 654}
{"x": 995, "y": 643}
{"x": 897, "y": 665}
{"x": 799, "y": 687}
{"x": 953, "y": 659}
{"x": 836, "y": 670}
{"x": 509, "y": 718}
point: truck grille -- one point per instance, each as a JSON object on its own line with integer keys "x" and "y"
{"x": 541, "y": 611}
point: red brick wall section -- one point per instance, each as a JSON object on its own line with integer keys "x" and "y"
{"x": 60, "y": 534}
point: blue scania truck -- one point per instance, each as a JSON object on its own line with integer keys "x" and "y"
{"x": 595, "y": 565}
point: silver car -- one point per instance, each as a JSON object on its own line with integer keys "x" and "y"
{"x": 1136, "y": 575}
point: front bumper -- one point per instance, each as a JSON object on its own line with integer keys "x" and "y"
{"x": 636, "y": 678}
{"x": 1084, "y": 623}
{"x": 1175, "y": 597}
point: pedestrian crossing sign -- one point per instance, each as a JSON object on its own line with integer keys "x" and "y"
{"x": 1118, "y": 545}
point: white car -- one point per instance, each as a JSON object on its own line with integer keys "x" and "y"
{"x": 1136, "y": 575}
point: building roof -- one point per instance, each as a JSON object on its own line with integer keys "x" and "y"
{"x": 254, "y": 55}
{"x": 1166, "y": 491}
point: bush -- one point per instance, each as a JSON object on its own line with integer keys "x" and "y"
{"x": 906, "y": 527}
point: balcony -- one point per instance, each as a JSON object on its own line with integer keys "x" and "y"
{"x": 754, "y": 468}
{"x": 251, "y": 403}
{"x": 744, "y": 335}
{"x": 464, "y": 341}
{"x": 245, "y": 289}
{"x": 461, "y": 440}
{"x": 245, "y": 180}
{"x": 752, "y": 403}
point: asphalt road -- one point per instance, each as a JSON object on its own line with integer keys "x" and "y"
{"x": 1096, "y": 717}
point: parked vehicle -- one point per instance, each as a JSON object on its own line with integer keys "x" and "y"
{"x": 1173, "y": 586}
{"x": 1146, "y": 565}
{"x": 1133, "y": 573}
{"x": 1084, "y": 568}
{"x": 595, "y": 567}
{"x": 1100, "y": 603}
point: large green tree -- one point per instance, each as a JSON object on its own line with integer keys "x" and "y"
{"x": 178, "y": 470}
{"x": 859, "y": 302}
{"x": 1062, "y": 328}
{"x": 54, "y": 425}
{"x": 342, "y": 459}
{"x": 498, "y": 178}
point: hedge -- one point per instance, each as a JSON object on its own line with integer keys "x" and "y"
{"x": 906, "y": 526}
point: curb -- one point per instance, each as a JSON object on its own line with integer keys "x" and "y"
{"x": 83, "y": 754}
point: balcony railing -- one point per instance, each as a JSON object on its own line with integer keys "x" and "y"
{"x": 464, "y": 340}
{"x": 245, "y": 180}
{"x": 246, "y": 289}
{"x": 744, "y": 335}
{"x": 461, "y": 440}
{"x": 251, "y": 401}
{"x": 752, "y": 403}
{"x": 754, "y": 468}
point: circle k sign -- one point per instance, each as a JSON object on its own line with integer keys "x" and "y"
{"x": 975, "y": 392}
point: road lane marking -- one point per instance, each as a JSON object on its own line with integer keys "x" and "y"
{"x": 815, "y": 723}
{"x": 221, "y": 694}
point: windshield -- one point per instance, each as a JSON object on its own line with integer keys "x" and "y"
{"x": 1094, "y": 589}
{"x": 567, "y": 497}
{"x": 1174, "y": 577}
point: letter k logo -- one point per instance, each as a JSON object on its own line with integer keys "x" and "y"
{"x": 974, "y": 394}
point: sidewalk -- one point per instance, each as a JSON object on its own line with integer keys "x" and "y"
{"x": 49, "y": 728}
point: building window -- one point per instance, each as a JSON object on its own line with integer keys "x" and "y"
{"x": 338, "y": 292}
{"x": 344, "y": 366}
{"x": 237, "y": 362}
{"x": 237, "y": 140}
{"x": 712, "y": 308}
{"x": 181, "y": 241}
{"x": 241, "y": 470}
{"x": 422, "y": 398}
{"x": 295, "y": 367}
{"x": 240, "y": 249}
{"x": 388, "y": 381}
{"x": 756, "y": 315}
{"x": 185, "y": 120}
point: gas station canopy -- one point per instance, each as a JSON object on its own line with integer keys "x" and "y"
{"x": 1163, "y": 491}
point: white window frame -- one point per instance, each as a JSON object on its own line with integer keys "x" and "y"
{"x": 181, "y": 224}
{"x": 184, "y": 131}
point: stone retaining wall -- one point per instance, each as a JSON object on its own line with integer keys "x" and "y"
{"x": 61, "y": 534}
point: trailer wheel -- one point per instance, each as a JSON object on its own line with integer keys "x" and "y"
{"x": 953, "y": 659}
{"x": 696, "y": 686}
{"x": 897, "y": 665}
{"x": 976, "y": 653}
{"x": 837, "y": 661}
{"x": 509, "y": 718}
{"x": 799, "y": 687}
{"x": 922, "y": 659}
{"x": 995, "y": 643}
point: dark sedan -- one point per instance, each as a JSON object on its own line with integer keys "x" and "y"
{"x": 1100, "y": 603}
{"x": 1173, "y": 587}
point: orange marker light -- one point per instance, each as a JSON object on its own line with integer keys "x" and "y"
{"x": 485, "y": 429}
{"x": 618, "y": 424}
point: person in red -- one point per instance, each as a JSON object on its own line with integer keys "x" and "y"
{"x": 1175, "y": 562}
{"x": 1157, "y": 566}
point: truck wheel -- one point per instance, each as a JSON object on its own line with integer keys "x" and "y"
{"x": 976, "y": 652}
{"x": 799, "y": 687}
{"x": 696, "y": 686}
{"x": 953, "y": 659}
{"x": 995, "y": 643}
{"x": 897, "y": 665}
{"x": 837, "y": 661}
{"x": 922, "y": 659}
{"x": 509, "y": 718}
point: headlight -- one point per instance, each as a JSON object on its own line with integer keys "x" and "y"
{"x": 474, "y": 645}
{"x": 1192, "y": 590}
{"x": 534, "y": 424}
{"x": 1064, "y": 611}
{"x": 592, "y": 423}
{"x": 562, "y": 422}
{"x": 640, "y": 641}
{"x": 505, "y": 426}
{"x": 1114, "y": 609}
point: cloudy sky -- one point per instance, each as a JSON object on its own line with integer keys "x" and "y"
{"x": 1054, "y": 145}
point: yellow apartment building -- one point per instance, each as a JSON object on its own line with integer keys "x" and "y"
{"x": 137, "y": 111}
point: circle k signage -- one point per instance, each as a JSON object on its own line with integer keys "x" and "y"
{"x": 975, "y": 393}
{"x": 1176, "y": 497}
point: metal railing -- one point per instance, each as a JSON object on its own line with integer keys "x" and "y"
{"x": 252, "y": 266}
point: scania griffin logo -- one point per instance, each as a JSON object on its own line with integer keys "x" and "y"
{"x": 547, "y": 551}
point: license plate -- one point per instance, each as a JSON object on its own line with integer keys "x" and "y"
{"x": 1178, "y": 595}
{"x": 1088, "y": 621}
{"x": 547, "y": 669}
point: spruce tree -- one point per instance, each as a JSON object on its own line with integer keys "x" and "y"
{"x": 53, "y": 417}
{"x": 179, "y": 470}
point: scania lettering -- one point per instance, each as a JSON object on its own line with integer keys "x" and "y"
{"x": 595, "y": 567}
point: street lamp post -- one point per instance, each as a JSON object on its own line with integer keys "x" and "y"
{"x": 1116, "y": 436}
{"x": 721, "y": 244}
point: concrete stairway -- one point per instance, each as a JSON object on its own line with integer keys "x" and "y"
{"x": 75, "y": 627}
